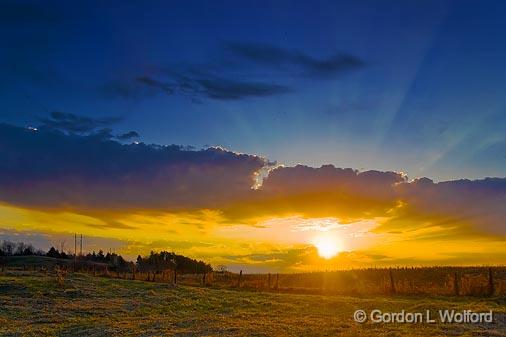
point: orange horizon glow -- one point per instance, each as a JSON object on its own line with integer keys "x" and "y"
{"x": 290, "y": 244}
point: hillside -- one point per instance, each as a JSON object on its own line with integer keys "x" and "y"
{"x": 34, "y": 261}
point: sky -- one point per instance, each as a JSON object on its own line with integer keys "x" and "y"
{"x": 254, "y": 134}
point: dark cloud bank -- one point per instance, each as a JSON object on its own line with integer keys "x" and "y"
{"x": 55, "y": 169}
{"x": 71, "y": 124}
{"x": 51, "y": 169}
{"x": 295, "y": 61}
{"x": 76, "y": 124}
{"x": 220, "y": 80}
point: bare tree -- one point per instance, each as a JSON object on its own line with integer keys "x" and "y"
{"x": 8, "y": 247}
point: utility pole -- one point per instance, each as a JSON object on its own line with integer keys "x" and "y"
{"x": 81, "y": 245}
{"x": 75, "y": 250}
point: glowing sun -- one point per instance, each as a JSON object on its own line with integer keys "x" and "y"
{"x": 327, "y": 247}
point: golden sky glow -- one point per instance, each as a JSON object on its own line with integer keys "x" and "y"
{"x": 293, "y": 243}
{"x": 238, "y": 209}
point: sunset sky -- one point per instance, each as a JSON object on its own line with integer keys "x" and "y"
{"x": 265, "y": 136}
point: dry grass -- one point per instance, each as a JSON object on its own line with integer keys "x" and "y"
{"x": 35, "y": 305}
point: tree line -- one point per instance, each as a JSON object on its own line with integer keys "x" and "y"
{"x": 9, "y": 248}
{"x": 155, "y": 262}
{"x": 158, "y": 262}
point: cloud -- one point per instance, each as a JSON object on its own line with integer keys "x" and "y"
{"x": 225, "y": 79}
{"x": 53, "y": 170}
{"x": 229, "y": 89}
{"x": 453, "y": 209}
{"x": 468, "y": 204}
{"x": 285, "y": 59}
{"x": 71, "y": 123}
{"x": 276, "y": 258}
{"x": 319, "y": 192}
{"x": 98, "y": 128}
{"x": 194, "y": 85}
{"x": 128, "y": 135}
{"x": 212, "y": 87}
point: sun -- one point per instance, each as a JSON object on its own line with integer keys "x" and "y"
{"x": 327, "y": 247}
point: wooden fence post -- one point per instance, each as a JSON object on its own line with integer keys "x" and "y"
{"x": 277, "y": 282}
{"x": 175, "y": 276}
{"x": 456, "y": 284}
{"x": 392, "y": 282}
{"x": 239, "y": 281}
{"x": 269, "y": 282}
{"x": 204, "y": 279}
{"x": 490, "y": 288}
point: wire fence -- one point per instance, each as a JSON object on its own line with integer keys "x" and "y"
{"x": 446, "y": 281}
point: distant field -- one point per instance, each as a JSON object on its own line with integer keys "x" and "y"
{"x": 32, "y": 304}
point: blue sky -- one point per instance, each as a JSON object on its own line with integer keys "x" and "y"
{"x": 412, "y": 86}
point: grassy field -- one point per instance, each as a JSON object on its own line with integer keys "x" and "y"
{"x": 32, "y": 304}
